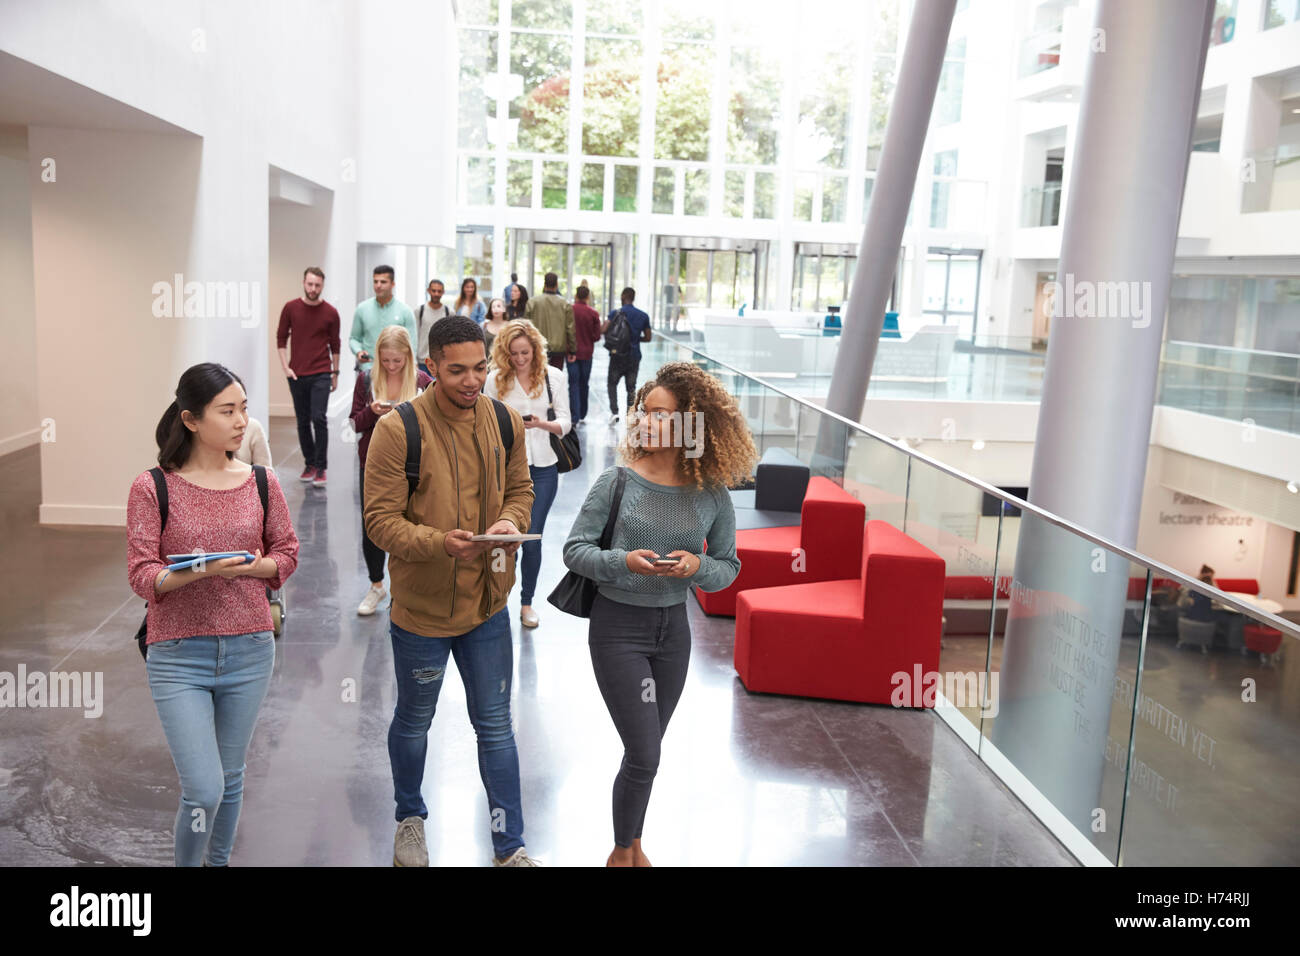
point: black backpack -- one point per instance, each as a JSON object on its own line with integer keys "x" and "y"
{"x": 618, "y": 336}
{"x": 160, "y": 485}
{"x": 413, "y": 450}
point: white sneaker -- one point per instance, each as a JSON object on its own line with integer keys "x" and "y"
{"x": 371, "y": 600}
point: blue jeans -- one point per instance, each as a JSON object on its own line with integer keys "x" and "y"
{"x": 485, "y": 660}
{"x": 579, "y": 380}
{"x": 545, "y": 482}
{"x": 208, "y": 690}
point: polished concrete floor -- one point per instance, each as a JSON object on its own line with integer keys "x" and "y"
{"x": 746, "y": 779}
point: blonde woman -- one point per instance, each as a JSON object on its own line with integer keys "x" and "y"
{"x": 519, "y": 375}
{"x": 497, "y": 318}
{"x": 393, "y": 379}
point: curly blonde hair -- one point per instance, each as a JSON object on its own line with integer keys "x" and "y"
{"x": 727, "y": 454}
{"x": 505, "y": 371}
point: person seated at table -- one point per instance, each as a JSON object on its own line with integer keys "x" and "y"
{"x": 1194, "y": 605}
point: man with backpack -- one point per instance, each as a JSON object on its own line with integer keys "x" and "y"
{"x": 451, "y": 465}
{"x": 435, "y": 310}
{"x": 624, "y": 331}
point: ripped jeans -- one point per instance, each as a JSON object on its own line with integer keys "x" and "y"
{"x": 485, "y": 660}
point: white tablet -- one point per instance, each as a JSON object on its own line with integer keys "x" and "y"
{"x": 506, "y": 537}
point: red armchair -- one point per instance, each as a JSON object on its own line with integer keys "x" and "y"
{"x": 1263, "y": 640}
{"x": 845, "y": 639}
{"x": 830, "y": 534}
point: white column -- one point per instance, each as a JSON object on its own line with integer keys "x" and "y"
{"x": 1094, "y": 423}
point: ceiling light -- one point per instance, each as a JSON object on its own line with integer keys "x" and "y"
{"x": 1291, "y": 487}
{"x": 977, "y": 445}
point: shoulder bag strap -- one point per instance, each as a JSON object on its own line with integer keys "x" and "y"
{"x": 607, "y": 536}
{"x": 550, "y": 398}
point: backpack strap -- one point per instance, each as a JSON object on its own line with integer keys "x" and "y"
{"x": 263, "y": 493}
{"x": 160, "y": 486}
{"x": 412, "y": 427}
{"x": 503, "y": 422}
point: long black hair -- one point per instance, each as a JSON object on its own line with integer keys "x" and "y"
{"x": 513, "y": 311}
{"x": 198, "y": 386}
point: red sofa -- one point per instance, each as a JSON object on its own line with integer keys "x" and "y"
{"x": 830, "y": 534}
{"x": 845, "y": 639}
{"x": 1240, "y": 585}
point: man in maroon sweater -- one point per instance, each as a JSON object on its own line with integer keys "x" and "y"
{"x": 586, "y": 329}
{"x": 312, "y": 369}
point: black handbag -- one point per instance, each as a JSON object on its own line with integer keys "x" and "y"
{"x": 568, "y": 453}
{"x": 576, "y": 593}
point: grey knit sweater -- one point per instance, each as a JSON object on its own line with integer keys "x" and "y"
{"x": 663, "y": 518}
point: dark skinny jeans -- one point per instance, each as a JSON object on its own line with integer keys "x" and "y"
{"x": 640, "y": 656}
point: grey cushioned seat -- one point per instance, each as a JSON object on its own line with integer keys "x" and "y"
{"x": 781, "y": 481}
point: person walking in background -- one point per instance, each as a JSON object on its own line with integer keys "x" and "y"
{"x": 427, "y": 314}
{"x": 375, "y": 314}
{"x": 624, "y": 331}
{"x": 497, "y": 319}
{"x": 449, "y": 592}
{"x": 468, "y": 302}
{"x": 394, "y": 380}
{"x": 586, "y": 330}
{"x": 670, "y": 505}
{"x": 307, "y": 341}
{"x": 554, "y": 319}
{"x": 210, "y": 646}
{"x": 516, "y": 301}
{"x": 255, "y": 449}
{"x": 519, "y": 376}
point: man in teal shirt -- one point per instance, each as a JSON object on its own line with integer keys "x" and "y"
{"x": 374, "y": 314}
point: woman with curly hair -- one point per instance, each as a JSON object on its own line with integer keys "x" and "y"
{"x": 519, "y": 375}
{"x": 686, "y": 443}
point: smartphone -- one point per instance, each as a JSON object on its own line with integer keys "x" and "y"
{"x": 529, "y": 418}
{"x": 388, "y": 404}
{"x": 665, "y": 562}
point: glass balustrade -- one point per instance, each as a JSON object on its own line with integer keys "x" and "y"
{"x": 934, "y": 363}
{"x": 1148, "y": 719}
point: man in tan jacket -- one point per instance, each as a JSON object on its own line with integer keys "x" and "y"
{"x": 449, "y": 592}
{"x": 554, "y": 319}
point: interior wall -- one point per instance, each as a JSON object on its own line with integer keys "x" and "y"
{"x": 133, "y": 208}
{"x": 118, "y": 220}
{"x": 19, "y": 423}
{"x": 299, "y": 236}
{"x": 1275, "y": 562}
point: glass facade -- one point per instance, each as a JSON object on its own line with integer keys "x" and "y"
{"x": 555, "y": 91}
